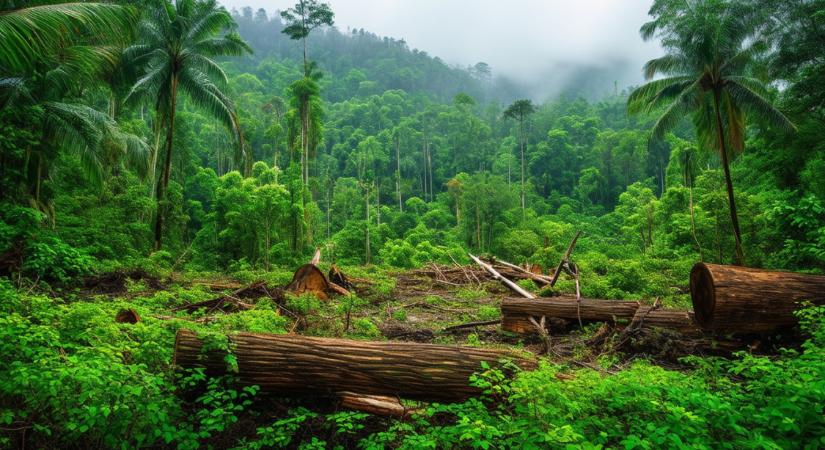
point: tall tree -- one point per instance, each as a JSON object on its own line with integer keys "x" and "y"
{"x": 707, "y": 74}
{"x": 304, "y": 17}
{"x": 176, "y": 49}
{"x": 519, "y": 111}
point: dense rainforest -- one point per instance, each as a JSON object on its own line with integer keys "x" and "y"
{"x": 156, "y": 154}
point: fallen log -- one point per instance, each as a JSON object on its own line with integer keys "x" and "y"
{"x": 378, "y": 405}
{"x": 294, "y": 365}
{"x": 232, "y": 302}
{"x": 516, "y": 312}
{"x": 739, "y": 299}
{"x": 518, "y": 289}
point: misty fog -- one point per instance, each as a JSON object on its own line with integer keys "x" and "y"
{"x": 544, "y": 48}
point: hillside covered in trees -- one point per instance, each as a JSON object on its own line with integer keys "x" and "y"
{"x": 167, "y": 165}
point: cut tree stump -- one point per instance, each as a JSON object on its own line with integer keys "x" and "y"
{"x": 127, "y": 316}
{"x": 516, "y": 312}
{"x": 308, "y": 278}
{"x": 291, "y": 365}
{"x": 735, "y": 299}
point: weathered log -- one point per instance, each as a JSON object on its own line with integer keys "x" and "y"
{"x": 294, "y": 365}
{"x": 518, "y": 289}
{"x": 516, "y": 312}
{"x": 378, "y": 405}
{"x": 744, "y": 300}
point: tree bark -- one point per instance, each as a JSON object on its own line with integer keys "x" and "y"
{"x": 398, "y": 173}
{"x": 734, "y": 217}
{"x": 292, "y": 365}
{"x": 167, "y": 166}
{"x": 738, "y": 299}
{"x": 516, "y": 312}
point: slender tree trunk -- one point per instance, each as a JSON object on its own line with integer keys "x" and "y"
{"x": 167, "y": 166}
{"x": 430, "y": 168}
{"x": 367, "y": 255}
{"x": 737, "y": 235}
{"x": 398, "y": 173}
{"x": 37, "y": 181}
{"x": 153, "y": 163}
{"x": 378, "y": 203}
{"x": 692, "y": 220}
{"x": 523, "y": 216}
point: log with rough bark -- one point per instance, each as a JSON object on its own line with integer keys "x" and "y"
{"x": 739, "y": 299}
{"x": 516, "y": 288}
{"x": 293, "y": 365}
{"x": 516, "y": 312}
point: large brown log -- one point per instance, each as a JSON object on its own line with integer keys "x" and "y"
{"x": 739, "y": 299}
{"x": 310, "y": 366}
{"x": 515, "y": 312}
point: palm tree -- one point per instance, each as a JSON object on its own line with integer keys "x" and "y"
{"x": 48, "y": 52}
{"x": 707, "y": 74}
{"x": 176, "y": 49}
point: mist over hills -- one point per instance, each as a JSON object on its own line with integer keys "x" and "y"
{"x": 364, "y": 63}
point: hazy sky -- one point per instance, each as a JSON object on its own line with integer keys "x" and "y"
{"x": 534, "y": 42}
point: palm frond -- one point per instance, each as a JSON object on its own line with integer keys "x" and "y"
{"x": 655, "y": 93}
{"x": 29, "y": 35}
{"x": 754, "y": 103}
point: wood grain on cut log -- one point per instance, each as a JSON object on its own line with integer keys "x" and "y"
{"x": 308, "y": 278}
{"x": 310, "y": 366}
{"x": 739, "y": 299}
{"x": 379, "y": 405}
{"x": 516, "y": 312}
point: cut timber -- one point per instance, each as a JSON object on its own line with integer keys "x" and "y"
{"x": 293, "y": 365}
{"x": 739, "y": 299}
{"x": 518, "y": 289}
{"x": 516, "y": 312}
{"x": 672, "y": 319}
{"x": 308, "y": 278}
{"x": 378, "y": 405}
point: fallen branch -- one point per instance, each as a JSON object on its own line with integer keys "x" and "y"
{"x": 564, "y": 259}
{"x": 472, "y": 325}
{"x": 518, "y": 289}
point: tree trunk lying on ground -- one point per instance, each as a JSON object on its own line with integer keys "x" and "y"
{"x": 378, "y": 405}
{"x": 310, "y": 366}
{"x": 515, "y": 312}
{"x": 739, "y": 299}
